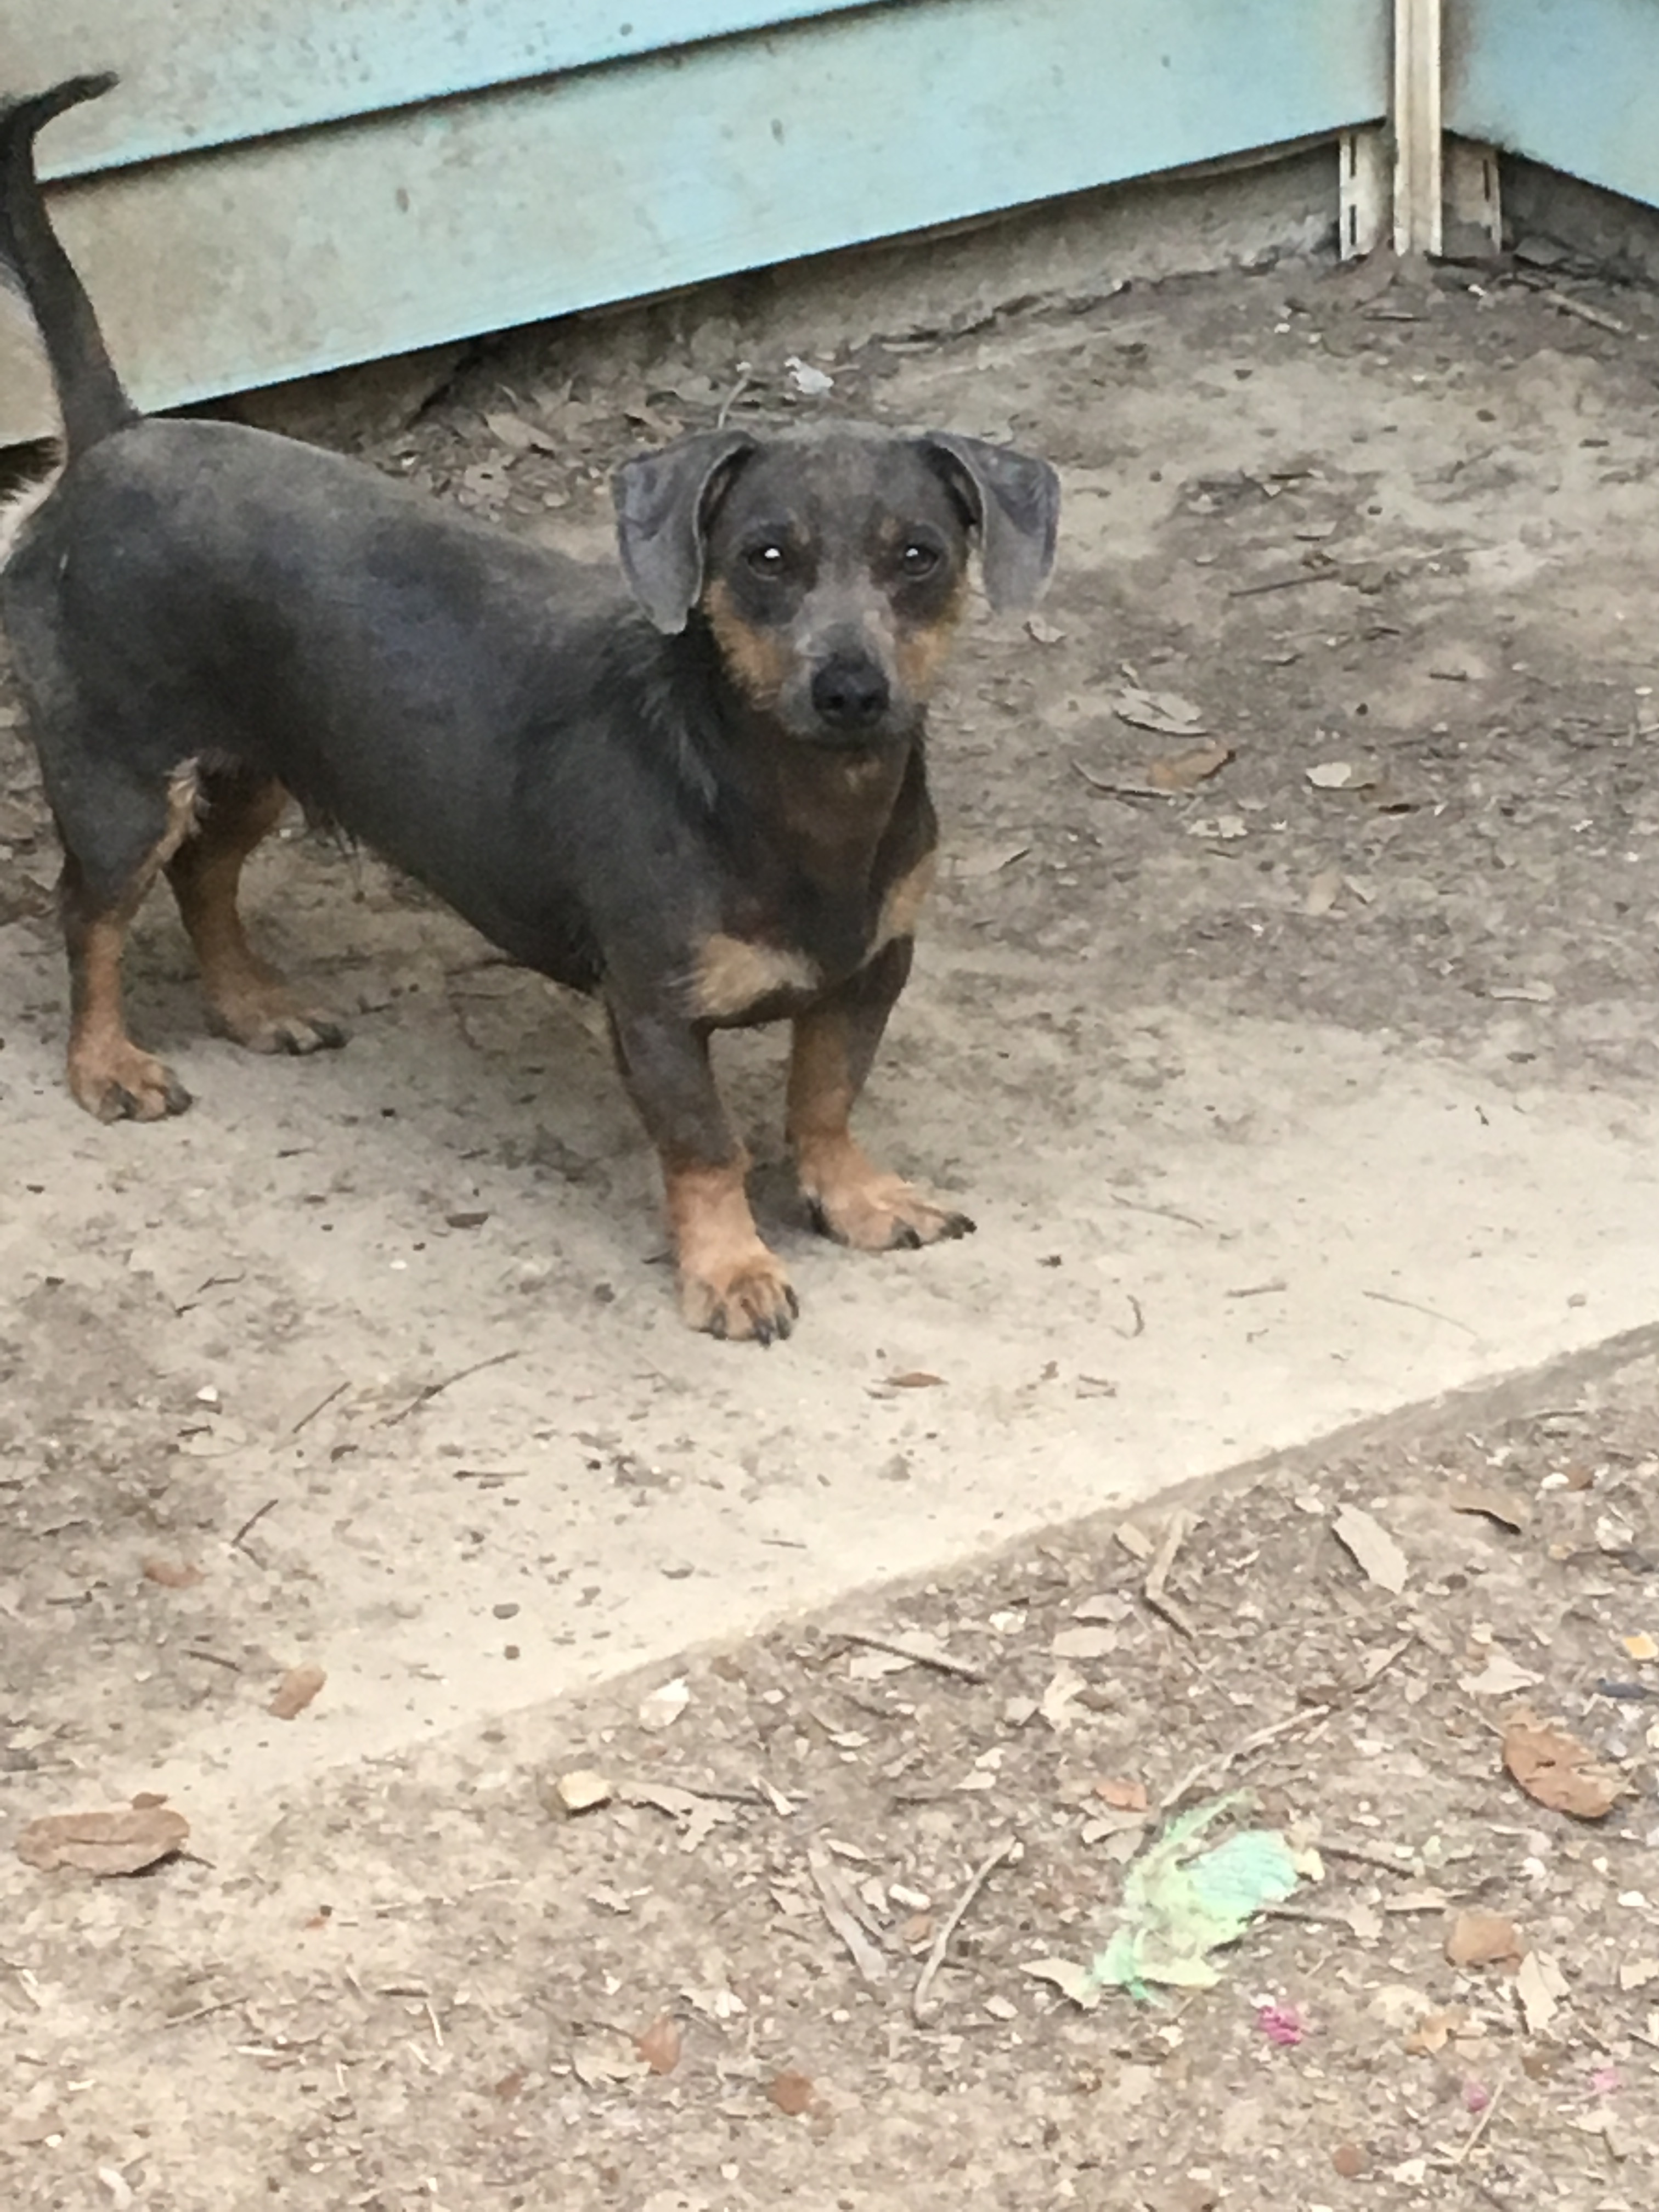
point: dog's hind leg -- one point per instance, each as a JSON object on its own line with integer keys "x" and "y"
{"x": 98, "y": 897}
{"x": 249, "y": 999}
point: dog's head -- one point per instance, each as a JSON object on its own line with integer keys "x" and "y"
{"x": 831, "y": 567}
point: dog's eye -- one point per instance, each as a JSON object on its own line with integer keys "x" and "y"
{"x": 917, "y": 559}
{"x": 767, "y": 559}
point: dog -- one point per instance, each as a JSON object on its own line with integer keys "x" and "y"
{"x": 697, "y": 791}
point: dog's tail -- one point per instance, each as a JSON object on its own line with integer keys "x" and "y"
{"x": 89, "y": 392}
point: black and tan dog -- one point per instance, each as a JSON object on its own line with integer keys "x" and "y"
{"x": 704, "y": 801}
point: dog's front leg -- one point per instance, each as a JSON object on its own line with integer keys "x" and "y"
{"x": 834, "y": 1043}
{"x": 730, "y": 1283}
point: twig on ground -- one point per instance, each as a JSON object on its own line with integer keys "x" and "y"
{"x": 917, "y": 1653}
{"x": 1176, "y": 1529}
{"x": 1603, "y": 321}
{"x": 1460, "y": 2156}
{"x": 921, "y": 2010}
{"x": 1116, "y": 790}
{"x": 252, "y": 1522}
{"x": 1258, "y": 1740}
{"x": 436, "y": 1390}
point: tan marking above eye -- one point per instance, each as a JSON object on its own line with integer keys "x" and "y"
{"x": 731, "y": 976}
{"x": 901, "y": 907}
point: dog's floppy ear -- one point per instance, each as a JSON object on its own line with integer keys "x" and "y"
{"x": 1013, "y": 502}
{"x": 662, "y": 509}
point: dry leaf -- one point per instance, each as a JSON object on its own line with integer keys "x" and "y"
{"x": 1323, "y": 892}
{"x": 523, "y": 437}
{"x": 1640, "y": 1647}
{"x": 663, "y": 1706}
{"x": 1165, "y": 712}
{"x": 1434, "y": 2032}
{"x": 1379, "y": 1557}
{"x": 1070, "y": 1979}
{"x": 1501, "y": 1677}
{"x": 172, "y": 1574}
{"x": 1638, "y": 1973}
{"x": 791, "y": 2093}
{"x": 1122, "y": 1796}
{"x": 606, "y": 2057}
{"x": 1042, "y": 633}
{"x": 1503, "y": 1506}
{"x": 581, "y": 1790}
{"x": 1540, "y": 1987}
{"x": 295, "y": 1692}
{"x": 1064, "y": 1685}
{"x": 1085, "y": 1642}
{"x": 1481, "y": 1939}
{"x": 123, "y": 1841}
{"x": 1558, "y": 1770}
{"x": 659, "y": 2046}
{"x": 1186, "y": 771}
{"x": 915, "y": 1378}
{"x": 1334, "y": 775}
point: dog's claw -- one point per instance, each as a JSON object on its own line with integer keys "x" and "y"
{"x": 751, "y": 1302}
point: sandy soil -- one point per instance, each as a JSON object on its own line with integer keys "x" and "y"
{"x": 1313, "y": 1087}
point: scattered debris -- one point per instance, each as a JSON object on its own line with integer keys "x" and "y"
{"x": 1165, "y": 712}
{"x": 661, "y": 1707}
{"x": 839, "y": 1912}
{"x": 295, "y": 1692}
{"x": 1482, "y": 1939}
{"x": 1558, "y": 1770}
{"x": 1177, "y": 1908}
{"x": 1179, "y": 772}
{"x": 921, "y": 2003}
{"x": 125, "y": 1841}
{"x": 1374, "y": 1550}
{"x": 581, "y": 1790}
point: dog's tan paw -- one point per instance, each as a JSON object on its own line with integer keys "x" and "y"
{"x": 876, "y": 1212}
{"x": 746, "y": 1299}
{"x": 118, "y": 1083}
{"x": 273, "y": 1019}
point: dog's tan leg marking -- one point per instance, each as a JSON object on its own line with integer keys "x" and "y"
{"x": 250, "y": 1000}
{"x": 901, "y": 909}
{"x": 731, "y": 1284}
{"x": 852, "y": 1199}
{"x": 109, "y": 1075}
{"x": 732, "y": 975}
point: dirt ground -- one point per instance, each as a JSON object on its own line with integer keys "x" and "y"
{"x": 1309, "y": 1087}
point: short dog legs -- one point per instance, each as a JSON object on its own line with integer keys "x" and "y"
{"x": 834, "y": 1043}
{"x": 109, "y": 1075}
{"x": 250, "y": 1001}
{"x": 731, "y": 1283}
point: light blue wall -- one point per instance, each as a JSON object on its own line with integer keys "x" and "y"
{"x": 467, "y": 189}
{"x": 1571, "y": 82}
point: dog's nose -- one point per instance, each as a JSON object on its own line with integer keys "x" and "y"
{"x": 850, "y": 693}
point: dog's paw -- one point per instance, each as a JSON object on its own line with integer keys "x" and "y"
{"x": 884, "y": 1213}
{"x": 747, "y": 1299}
{"x": 118, "y": 1083}
{"x": 275, "y": 1021}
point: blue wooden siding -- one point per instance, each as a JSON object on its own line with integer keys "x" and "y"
{"x": 482, "y": 179}
{"x": 1571, "y": 82}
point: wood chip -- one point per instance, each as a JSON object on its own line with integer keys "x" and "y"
{"x": 295, "y": 1692}
{"x": 1482, "y": 1939}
